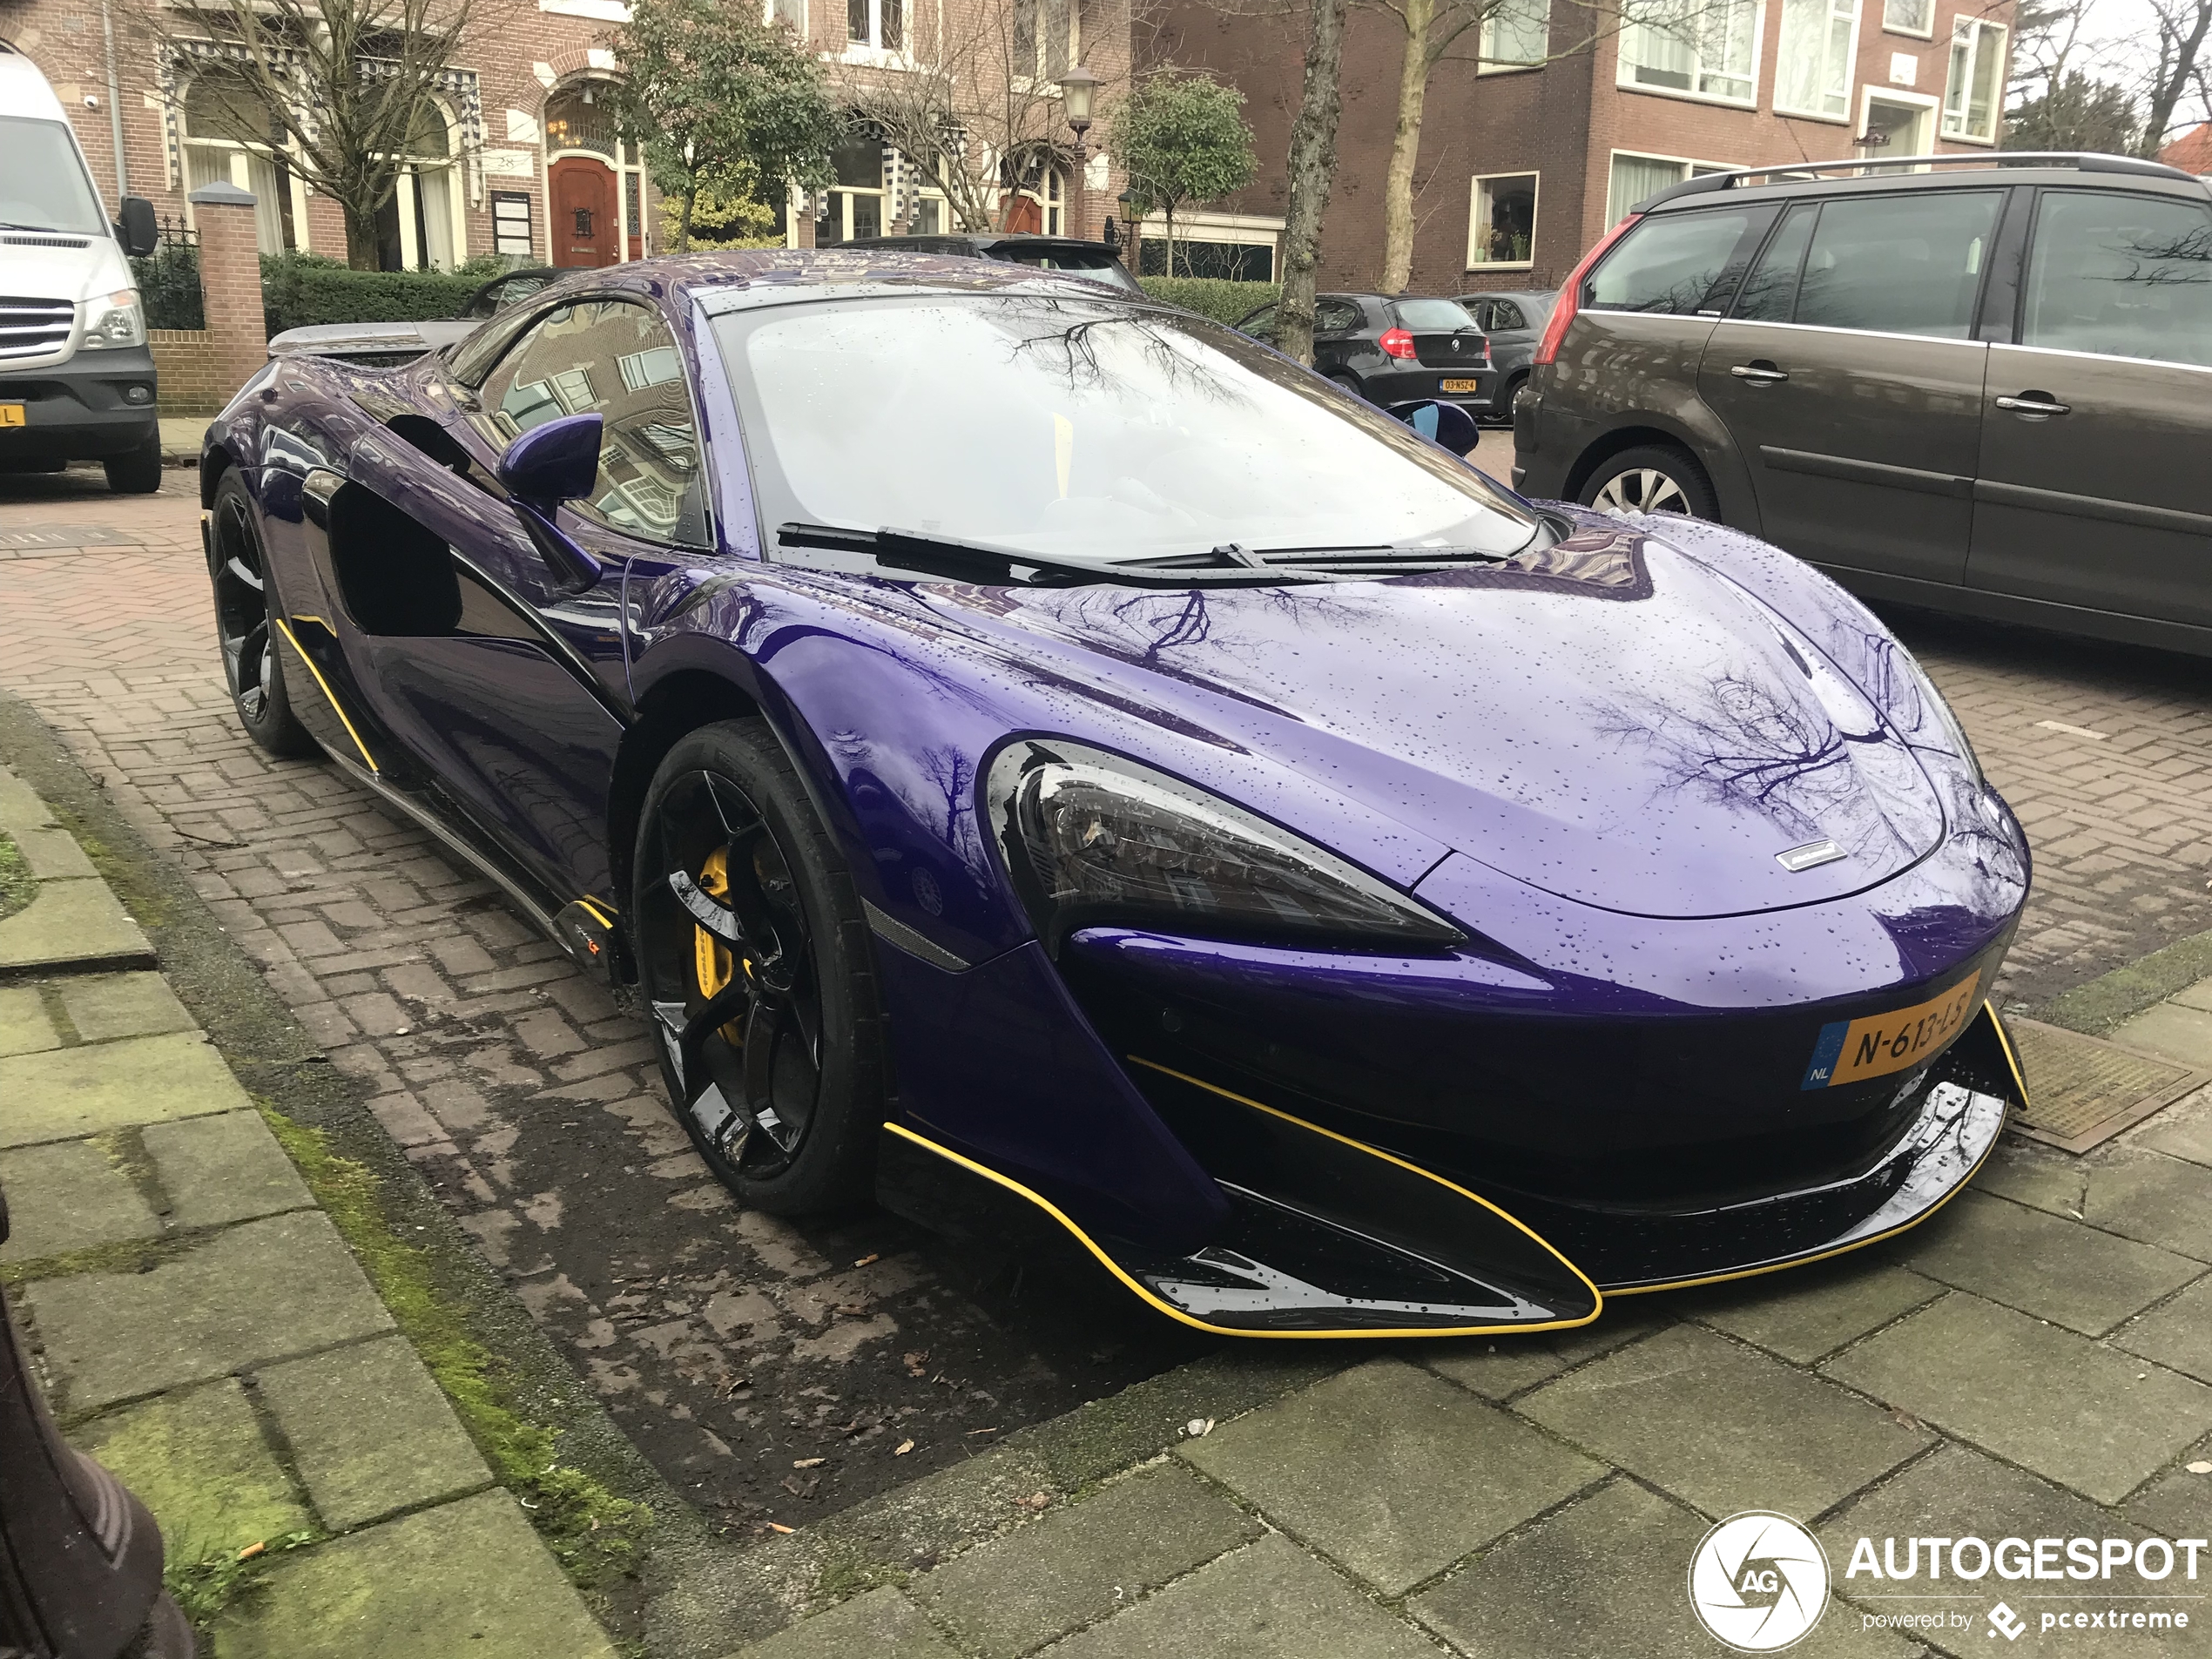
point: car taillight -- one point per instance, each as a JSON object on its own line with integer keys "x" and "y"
{"x": 1569, "y": 303}
{"x": 1397, "y": 342}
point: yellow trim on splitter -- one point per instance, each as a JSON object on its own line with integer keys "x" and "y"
{"x": 1845, "y": 1250}
{"x": 335, "y": 708}
{"x": 597, "y": 915}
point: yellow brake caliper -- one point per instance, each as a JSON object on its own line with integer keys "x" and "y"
{"x": 712, "y": 964}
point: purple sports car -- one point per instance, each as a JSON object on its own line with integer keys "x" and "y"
{"x": 1046, "y": 762}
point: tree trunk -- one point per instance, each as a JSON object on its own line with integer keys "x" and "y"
{"x": 1313, "y": 169}
{"x": 2175, "y": 77}
{"x": 361, "y": 237}
{"x": 683, "y": 225}
{"x": 1170, "y": 214}
{"x": 1405, "y": 149}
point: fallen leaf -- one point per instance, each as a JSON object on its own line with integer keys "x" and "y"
{"x": 1034, "y": 1501}
{"x": 2201, "y": 1467}
{"x": 917, "y": 1363}
{"x": 1904, "y": 1419}
{"x": 1197, "y": 1427}
{"x": 851, "y": 1310}
{"x": 777, "y": 1526}
{"x": 865, "y": 1260}
{"x": 902, "y": 1449}
{"x": 251, "y": 1550}
{"x": 808, "y": 1462}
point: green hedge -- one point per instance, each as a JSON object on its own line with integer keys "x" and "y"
{"x": 1212, "y": 297}
{"x": 168, "y": 282}
{"x": 298, "y": 290}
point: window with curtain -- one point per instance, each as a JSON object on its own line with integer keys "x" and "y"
{"x": 1044, "y": 34}
{"x": 1636, "y": 177}
{"x": 232, "y": 136}
{"x": 1704, "y": 48}
{"x": 1516, "y": 32}
{"x": 877, "y": 24}
{"x": 1974, "y": 95}
{"x": 1503, "y": 227}
{"x": 1812, "y": 63}
{"x": 423, "y": 201}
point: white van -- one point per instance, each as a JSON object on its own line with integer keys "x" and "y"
{"x": 76, "y": 376}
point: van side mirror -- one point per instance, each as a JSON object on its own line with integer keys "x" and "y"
{"x": 1445, "y": 425}
{"x": 136, "y": 229}
{"x": 547, "y": 465}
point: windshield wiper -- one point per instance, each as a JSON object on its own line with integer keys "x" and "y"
{"x": 40, "y": 230}
{"x": 956, "y": 561}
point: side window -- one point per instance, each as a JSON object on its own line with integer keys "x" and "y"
{"x": 615, "y": 357}
{"x": 2125, "y": 276}
{"x": 1769, "y": 291}
{"x": 1674, "y": 263}
{"x": 1899, "y": 265}
{"x": 1260, "y": 325}
{"x": 1504, "y": 315}
{"x": 1335, "y": 316}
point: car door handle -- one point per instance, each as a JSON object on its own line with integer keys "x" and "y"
{"x": 2034, "y": 405}
{"x": 1759, "y": 372}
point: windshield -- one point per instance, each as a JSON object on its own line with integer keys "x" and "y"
{"x": 43, "y": 186}
{"x": 1088, "y": 429}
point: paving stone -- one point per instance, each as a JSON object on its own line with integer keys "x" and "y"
{"x": 197, "y": 1459}
{"x": 370, "y": 1431}
{"x": 1604, "y": 1576}
{"x": 262, "y": 1291}
{"x": 2033, "y": 1393}
{"x": 1393, "y": 1472}
{"x": 1497, "y": 1367}
{"x": 1789, "y": 1442}
{"x": 69, "y": 1092}
{"x": 882, "y": 1624}
{"x": 1809, "y": 1311}
{"x": 2148, "y": 1196}
{"x": 2182, "y": 1130}
{"x": 103, "y": 1006}
{"x": 1080, "y": 1563}
{"x": 20, "y": 808}
{"x": 465, "y": 1581}
{"x": 226, "y": 1168}
{"x": 2177, "y": 1503}
{"x": 2168, "y": 1029}
{"x": 2035, "y": 1176}
{"x": 66, "y": 1196}
{"x": 24, "y": 1028}
{"x": 69, "y": 922}
{"x": 53, "y": 853}
{"x": 1270, "y": 1601}
{"x": 2045, "y": 1264}
{"x": 2177, "y": 1335}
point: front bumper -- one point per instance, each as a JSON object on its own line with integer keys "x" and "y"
{"x": 81, "y": 410}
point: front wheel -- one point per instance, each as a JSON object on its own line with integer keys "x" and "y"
{"x": 1650, "y": 479}
{"x": 244, "y": 627}
{"x": 755, "y": 960}
{"x": 138, "y": 472}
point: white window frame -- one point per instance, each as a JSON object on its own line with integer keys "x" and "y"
{"x": 867, "y": 53}
{"x": 1889, "y": 28}
{"x": 237, "y": 153}
{"x": 1928, "y": 101}
{"x": 1691, "y": 166}
{"x": 1624, "y": 68}
{"x": 1474, "y": 218}
{"x": 1486, "y": 43}
{"x": 1980, "y": 29}
{"x": 768, "y": 15}
{"x": 1833, "y": 14}
{"x": 1044, "y": 81}
{"x": 1242, "y": 230}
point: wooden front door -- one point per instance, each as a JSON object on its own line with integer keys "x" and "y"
{"x": 587, "y": 224}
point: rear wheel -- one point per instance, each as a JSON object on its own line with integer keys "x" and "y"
{"x": 755, "y": 960}
{"x": 244, "y": 627}
{"x": 138, "y": 473}
{"x": 1502, "y": 411}
{"x": 1650, "y": 479}
{"x": 1348, "y": 383}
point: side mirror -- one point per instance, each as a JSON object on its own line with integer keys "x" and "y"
{"x": 1445, "y": 425}
{"x": 547, "y": 465}
{"x": 136, "y": 229}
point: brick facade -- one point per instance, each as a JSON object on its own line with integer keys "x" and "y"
{"x": 1562, "y": 122}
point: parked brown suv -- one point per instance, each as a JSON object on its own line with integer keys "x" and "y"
{"x": 1977, "y": 383}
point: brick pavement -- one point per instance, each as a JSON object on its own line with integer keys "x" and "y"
{"x": 731, "y": 1345}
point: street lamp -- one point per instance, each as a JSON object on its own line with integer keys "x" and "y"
{"x": 1077, "y": 87}
{"x": 1129, "y": 228}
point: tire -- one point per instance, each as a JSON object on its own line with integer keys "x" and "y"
{"x": 1502, "y": 412}
{"x": 805, "y": 1058}
{"x": 1348, "y": 383}
{"x": 1652, "y": 478}
{"x": 245, "y": 629}
{"x": 138, "y": 473}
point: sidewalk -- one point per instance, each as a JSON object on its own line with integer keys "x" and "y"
{"x": 204, "y": 1331}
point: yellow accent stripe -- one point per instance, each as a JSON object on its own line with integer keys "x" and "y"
{"x": 1177, "y": 1313}
{"x": 2011, "y": 1060}
{"x": 320, "y": 622}
{"x": 328, "y": 693}
{"x": 597, "y": 915}
{"x": 1845, "y": 1250}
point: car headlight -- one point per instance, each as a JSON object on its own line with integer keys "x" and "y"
{"x": 115, "y": 320}
{"x": 1090, "y": 838}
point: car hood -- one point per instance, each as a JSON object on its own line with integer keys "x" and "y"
{"x": 1608, "y": 719}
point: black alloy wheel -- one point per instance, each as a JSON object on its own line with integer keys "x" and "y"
{"x": 244, "y": 627}
{"x": 759, "y": 975}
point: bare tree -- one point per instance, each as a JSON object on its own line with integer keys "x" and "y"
{"x": 339, "y": 90}
{"x": 2178, "y": 69}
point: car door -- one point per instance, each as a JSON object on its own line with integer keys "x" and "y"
{"x": 2094, "y": 488}
{"x": 1848, "y": 374}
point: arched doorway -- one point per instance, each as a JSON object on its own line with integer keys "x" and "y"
{"x": 592, "y": 187}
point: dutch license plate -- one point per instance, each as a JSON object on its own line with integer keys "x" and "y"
{"x": 1852, "y": 1050}
{"x": 1458, "y": 385}
{"x": 11, "y": 414}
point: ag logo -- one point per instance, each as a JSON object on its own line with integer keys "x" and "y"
{"x": 1758, "y": 1581}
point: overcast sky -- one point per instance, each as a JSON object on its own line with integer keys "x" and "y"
{"x": 2122, "y": 40}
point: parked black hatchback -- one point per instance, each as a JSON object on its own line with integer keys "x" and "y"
{"x": 1976, "y": 383}
{"x": 1394, "y": 350}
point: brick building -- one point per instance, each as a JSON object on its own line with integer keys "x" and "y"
{"x": 518, "y": 154}
{"x": 1522, "y": 168}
